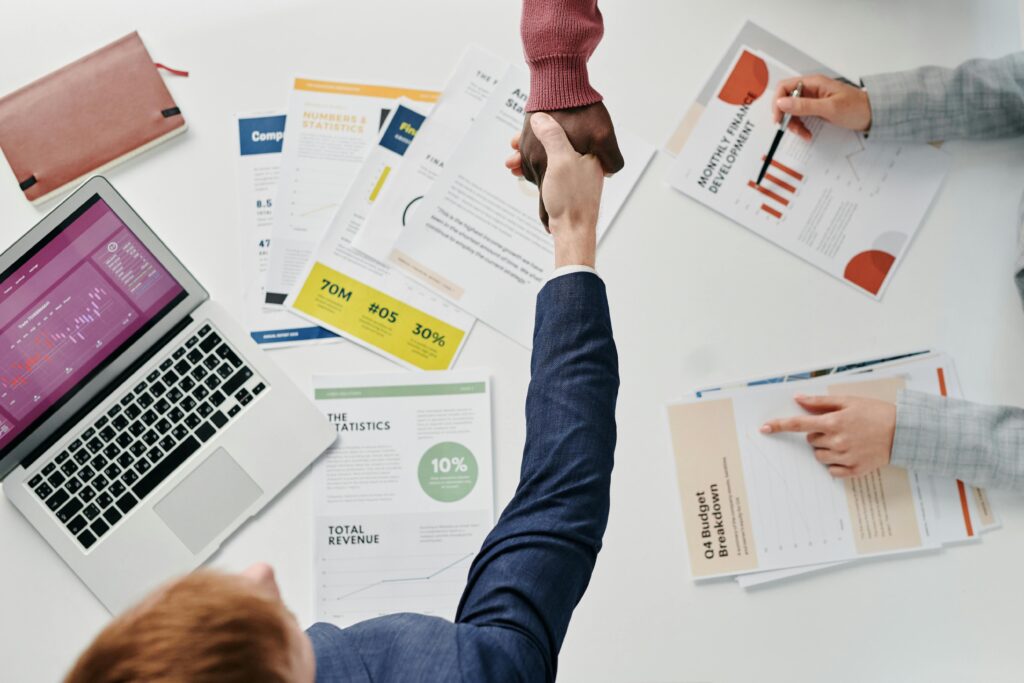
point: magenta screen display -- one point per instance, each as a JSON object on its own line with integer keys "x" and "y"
{"x": 69, "y": 308}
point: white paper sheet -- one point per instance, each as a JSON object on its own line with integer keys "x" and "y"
{"x": 260, "y": 138}
{"x": 330, "y": 129}
{"x": 404, "y": 499}
{"x": 375, "y": 305}
{"x": 843, "y": 202}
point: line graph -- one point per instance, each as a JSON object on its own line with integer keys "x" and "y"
{"x": 61, "y": 337}
{"x": 427, "y": 577}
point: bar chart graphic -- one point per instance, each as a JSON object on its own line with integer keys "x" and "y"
{"x": 778, "y": 188}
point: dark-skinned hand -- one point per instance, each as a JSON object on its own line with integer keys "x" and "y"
{"x": 589, "y": 129}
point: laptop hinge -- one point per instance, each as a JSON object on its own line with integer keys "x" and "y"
{"x": 102, "y": 396}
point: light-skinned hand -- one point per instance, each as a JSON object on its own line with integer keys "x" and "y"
{"x": 571, "y": 192}
{"x": 839, "y": 103}
{"x": 850, "y": 435}
{"x": 589, "y": 129}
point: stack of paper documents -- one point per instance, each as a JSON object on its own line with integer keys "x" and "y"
{"x": 761, "y": 508}
{"x": 395, "y": 223}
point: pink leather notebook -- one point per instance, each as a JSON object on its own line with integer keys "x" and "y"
{"x": 86, "y": 117}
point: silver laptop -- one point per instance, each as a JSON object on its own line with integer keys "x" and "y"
{"x": 139, "y": 425}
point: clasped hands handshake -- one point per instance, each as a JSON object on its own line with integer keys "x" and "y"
{"x": 568, "y": 153}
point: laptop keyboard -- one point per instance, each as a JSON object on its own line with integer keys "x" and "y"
{"x": 120, "y": 458}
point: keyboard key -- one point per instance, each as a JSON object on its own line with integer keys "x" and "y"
{"x": 187, "y": 383}
{"x": 108, "y": 433}
{"x": 87, "y": 494}
{"x": 200, "y": 393}
{"x": 166, "y": 364}
{"x": 155, "y": 454}
{"x": 140, "y": 387}
{"x": 91, "y": 512}
{"x": 194, "y": 356}
{"x": 124, "y": 439}
{"x": 212, "y": 382}
{"x": 234, "y": 411}
{"x": 157, "y": 389}
{"x": 178, "y": 353}
{"x": 114, "y": 410}
{"x": 237, "y": 380}
{"x": 210, "y": 343}
{"x": 198, "y": 373}
{"x": 111, "y": 515}
{"x": 99, "y": 462}
{"x": 43, "y": 490}
{"x": 150, "y": 438}
{"x": 176, "y": 414}
{"x": 145, "y": 400}
{"x": 206, "y": 431}
{"x": 73, "y": 485}
{"x": 86, "y": 538}
{"x": 163, "y": 426}
{"x": 99, "y": 527}
{"x": 100, "y": 482}
{"x": 88, "y": 434}
{"x": 167, "y": 443}
{"x": 102, "y": 422}
{"x": 126, "y": 400}
{"x": 137, "y": 448}
{"x": 132, "y": 411}
{"x": 93, "y": 447}
{"x": 142, "y": 466}
{"x": 35, "y": 481}
{"x": 153, "y": 376}
{"x": 104, "y": 500}
{"x": 86, "y": 474}
{"x": 205, "y": 410}
{"x": 211, "y": 362}
{"x": 56, "y": 479}
{"x": 82, "y": 456}
{"x": 179, "y": 432}
{"x": 75, "y": 445}
{"x": 170, "y": 463}
{"x": 76, "y": 525}
{"x": 245, "y": 400}
{"x": 224, "y": 371}
{"x": 191, "y": 342}
{"x": 259, "y": 388}
{"x": 67, "y": 513}
{"x": 188, "y": 403}
{"x": 225, "y": 352}
{"x": 182, "y": 367}
{"x": 126, "y": 502}
{"x": 50, "y": 467}
{"x": 216, "y": 398}
{"x": 204, "y": 330}
{"x": 129, "y": 477}
{"x": 57, "y": 500}
{"x": 136, "y": 428}
{"x": 119, "y": 423}
{"x": 112, "y": 449}
{"x": 170, "y": 378}
{"x": 162, "y": 406}
{"x": 64, "y": 455}
{"x": 112, "y": 471}
{"x": 124, "y": 461}
{"x": 219, "y": 419}
{"x": 193, "y": 420}
{"x": 117, "y": 488}
{"x": 174, "y": 395}
{"x": 69, "y": 468}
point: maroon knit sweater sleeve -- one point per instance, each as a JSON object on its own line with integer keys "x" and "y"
{"x": 558, "y": 38}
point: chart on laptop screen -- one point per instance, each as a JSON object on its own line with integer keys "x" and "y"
{"x": 69, "y": 307}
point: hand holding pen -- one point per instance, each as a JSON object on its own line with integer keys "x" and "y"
{"x": 840, "y": 103}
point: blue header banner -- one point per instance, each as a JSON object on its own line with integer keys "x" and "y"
{"x": 261, "y": 135}
{"x": 403, "y": 128}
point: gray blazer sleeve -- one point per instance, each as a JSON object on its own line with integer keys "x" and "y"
{"x": 982, "y": 445}
{"x": 981, "y": 98}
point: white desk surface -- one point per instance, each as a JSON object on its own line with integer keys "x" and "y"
{"x": 695, "y": 299}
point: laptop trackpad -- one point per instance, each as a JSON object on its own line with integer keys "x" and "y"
{"x": 209, "y": 499}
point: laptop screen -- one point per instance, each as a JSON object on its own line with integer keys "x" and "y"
{"x": 68, "y": 307}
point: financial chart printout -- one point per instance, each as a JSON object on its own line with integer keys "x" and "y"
{"x": 69, "y": 307}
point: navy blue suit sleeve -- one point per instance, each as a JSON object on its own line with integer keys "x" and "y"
{"x": 536, "y": 563}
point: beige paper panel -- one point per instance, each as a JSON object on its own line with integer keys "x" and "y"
{"x": 881, "y": 503}
{"x": 716, "y": 512}
{"x": 983, "y": 507}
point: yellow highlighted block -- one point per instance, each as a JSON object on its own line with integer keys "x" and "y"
{"x": 382, "y": 91}
{"x": 353, "y": 309}
{"x": 380, "y": 183}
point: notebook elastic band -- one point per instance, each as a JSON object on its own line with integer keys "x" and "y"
{"x": 173, "y": 111}
{"x": 27, "y": 183}
{"x": 176, "y": 72}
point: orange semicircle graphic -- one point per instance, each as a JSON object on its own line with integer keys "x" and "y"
{"x": 869, "y": 268}
{"x": 747, "y": 82}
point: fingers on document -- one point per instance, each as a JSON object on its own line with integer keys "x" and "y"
{"x": 820, "y": 404}
{"x": 797, "y": 423}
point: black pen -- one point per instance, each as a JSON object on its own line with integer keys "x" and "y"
{"x": 778, "y": 135}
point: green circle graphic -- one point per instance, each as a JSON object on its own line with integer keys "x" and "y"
{"x": 448, "y": 472}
